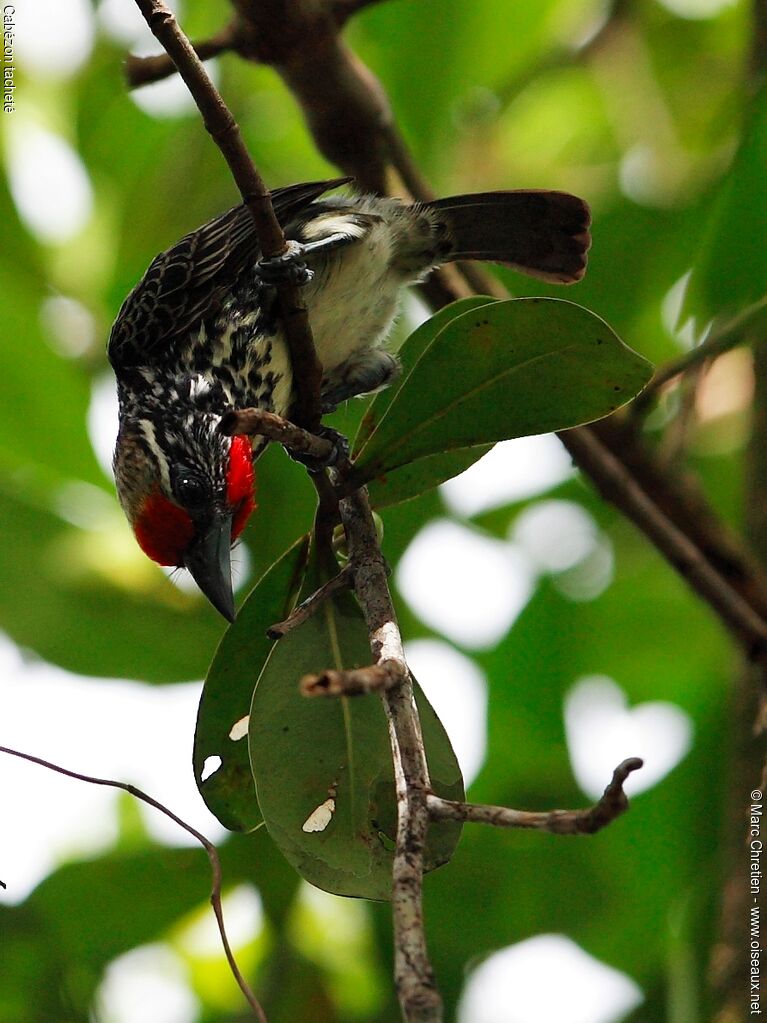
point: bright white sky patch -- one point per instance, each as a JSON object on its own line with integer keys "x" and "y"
{"x": 53, "y": 37}
{"x": 512, "y": 471}
{"x": 121, "y": 730}
{"x": 556, "y": 534}
{"x": 69, "y": 327}
{"x": 169, "y": 97}
{"x": 123, "y": 21}
{"x": 457, "y": 690}
{"x": 468, "y": 586}
{"x": 243, "y": 916}
{"x": 602, "y": 730}
{"x": 697, "y": 9}
{"x": 103, "y": 420}
{"x": 515, "y": 986}
{"x": 147, "y": 985}
{"x": 49, "y": 184}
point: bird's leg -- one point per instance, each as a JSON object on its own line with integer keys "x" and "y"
{"x": 291, "y": 264}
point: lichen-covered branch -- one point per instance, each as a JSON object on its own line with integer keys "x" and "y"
{"x": 419, "y": 998}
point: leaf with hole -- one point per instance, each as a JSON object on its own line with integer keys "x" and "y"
{"x": 323, "y": 766}
{"x": 228, "y": 791}
{"x": 502, "y": 370}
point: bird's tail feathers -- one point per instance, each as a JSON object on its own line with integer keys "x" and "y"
{"x": 541, "y": 233}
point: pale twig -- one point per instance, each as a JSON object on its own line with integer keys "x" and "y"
{"x": 225, "y": 132}
{"x": 304, "y": 611}
{"x": 354, "y": 681}
{"x": 722, "y": 338}
{"x": 418, "y": 995}
{"x": 258, "y": 422}
{"x": 210, "y": 849}
{"x": 558, "y": 822}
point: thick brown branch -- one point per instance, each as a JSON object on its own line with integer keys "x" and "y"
{"x": 558, "y": 822}
{"x": 616, "y": 484}
{"x": 307, "y": 372}
{"x": 679, "y": 496}
{"x": 355, "y": 681}
{"x": 210, "y": 849}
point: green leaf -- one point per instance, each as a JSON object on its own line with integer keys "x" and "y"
{"x": 410, "y": 481}
{"x": 229, "y": 792}
{"x": 416, "y": 478}
{"x": 507, "y": 369}
{"x": 307, "y": 752}
{"x": 730, "y": 272}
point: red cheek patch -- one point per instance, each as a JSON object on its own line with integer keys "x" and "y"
{"x": 240, "y": 483}
{"x": 163, "y": 530}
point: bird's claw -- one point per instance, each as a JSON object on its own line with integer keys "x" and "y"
{"x": 339, "y": 453}
{"x": 288, "y": 267}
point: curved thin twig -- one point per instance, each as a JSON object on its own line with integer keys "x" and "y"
{"x": 210, "y": 849}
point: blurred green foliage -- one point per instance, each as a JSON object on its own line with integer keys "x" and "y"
{"x": 644, "y": 122}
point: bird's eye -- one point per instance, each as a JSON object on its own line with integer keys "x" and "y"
{"x": 190, "y": 490}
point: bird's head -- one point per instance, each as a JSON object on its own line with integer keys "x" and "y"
{"x": 187, "y": 493}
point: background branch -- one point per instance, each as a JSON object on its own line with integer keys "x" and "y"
{"x": 145, "y": 70}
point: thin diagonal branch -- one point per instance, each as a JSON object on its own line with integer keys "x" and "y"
{"x": 559, "y": 822}
{"x": 210, "y": 849}
{"x": 304, "y": 611}
{"x": 616, "y": 484}
{"x": 738, "y": 330}
{"x": 225, "y": 132}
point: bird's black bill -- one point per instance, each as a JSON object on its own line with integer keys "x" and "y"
{"x": 209, "y": 561}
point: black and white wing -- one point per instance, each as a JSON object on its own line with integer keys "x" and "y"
{"x": 187, "y": 283}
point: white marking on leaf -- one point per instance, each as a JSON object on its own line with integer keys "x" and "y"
{"x": 239, "y": 729}
{"x": 319, "y": 819}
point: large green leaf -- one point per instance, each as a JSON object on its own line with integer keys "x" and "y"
{"x": 506, "y": 369}
{"x": 229, "y": 792}
{"x": 417, "y": 477}
{"x": 306, "y": 752}
{"x": 411, "y": 480}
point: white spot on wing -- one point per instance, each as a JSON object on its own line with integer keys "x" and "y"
{"x": 239, "y": 729}
{"x": 319, "y": 819}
